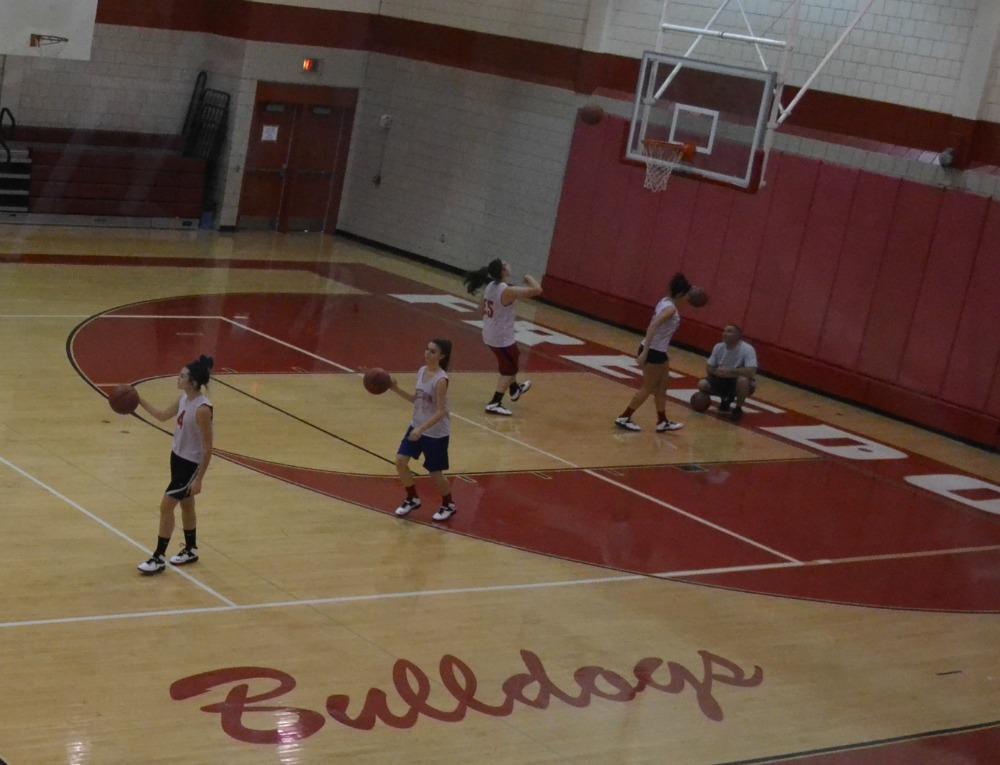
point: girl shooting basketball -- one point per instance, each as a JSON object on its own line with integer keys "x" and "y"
{"x": 429, "y": 431}
{"x": 497, "y": 307}
{"x": 653, "y": 361}
{"x": 189, "y": 458}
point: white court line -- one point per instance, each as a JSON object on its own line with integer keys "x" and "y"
{"x": 105, "y": 316}
{"x": 157, "y": 316}
{"x": 826, "y": 561}
{"x": 566, "y": 462}
{"x": 322, "y": 601}
{"x": 489, "y": 588}
{"x": 288, "y": 345}
{"x": 112, "y": 529}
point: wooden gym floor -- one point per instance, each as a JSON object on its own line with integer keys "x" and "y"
{"x": 793, "y": 588}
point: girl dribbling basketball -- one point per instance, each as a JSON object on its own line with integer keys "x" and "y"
{"x": 189, "y": 458}
{"x": 429, "y": 431}
{"x": 497, "y": 307}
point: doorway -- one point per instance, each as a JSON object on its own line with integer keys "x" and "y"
{"x": 300, "y": 139}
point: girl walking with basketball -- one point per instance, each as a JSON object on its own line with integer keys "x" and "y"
{"x": 429, "y": 431}
{"x": 653, "y": 361}
{"x": 497, "y": 306}
{"x": 189, "y": 458}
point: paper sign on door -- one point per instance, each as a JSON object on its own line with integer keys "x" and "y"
{"x": 270, "y": 133}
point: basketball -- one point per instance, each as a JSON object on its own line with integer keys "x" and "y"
{"x": 377, "y": 380}
{"x": 700, "y": 401}
{"x": 124, "y": 399}
{"x": 697, "y": 297}
{"x": 591, "y": 114}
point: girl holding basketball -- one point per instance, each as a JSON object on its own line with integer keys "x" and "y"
{"x": 497, "y": 307}
{"x": 189, "y": 458}
{"x": 652, "y": 358}
{"x": 429, "y": 431}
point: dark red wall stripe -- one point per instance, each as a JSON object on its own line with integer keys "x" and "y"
{"x": 544, "y": 63}
{"x": 875, "y": 289}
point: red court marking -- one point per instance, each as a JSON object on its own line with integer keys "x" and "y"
{"x": 815, "y": 509}
{"x": 569, "y": 515}
{"x": 824, "y": 508}
{"x": 342, "y": 329}
{"x": 961, "y": 582}
{"x": 961, "y": 748}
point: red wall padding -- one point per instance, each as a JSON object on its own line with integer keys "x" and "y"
{"x": 819, "y": 253}
{"x": 973, "y": 374}
{"x": 867, "y": 231}
{"x": 879, "y": 289}
{"x": 897, "y": 286}
{"x": 946, "y": 276}
{"x": 793, "y": 182}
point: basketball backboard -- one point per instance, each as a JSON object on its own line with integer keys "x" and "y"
{"x": 721, "y": 109}
{"x": 56, "y": 28}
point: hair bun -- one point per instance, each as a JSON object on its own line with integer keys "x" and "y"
{"x": 208, "y": 361}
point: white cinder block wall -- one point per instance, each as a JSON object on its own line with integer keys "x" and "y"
{"x": 907, "y": 52}
{"x": 471, "y": 168}
{"x": 137, "y": 80}
{"x": 991, "y": 102}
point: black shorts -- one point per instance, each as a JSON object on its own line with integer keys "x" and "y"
{"x": 435, "y": 450}
{"x": 654, "y": 356}
{"x": 181, "y": 477}
{"x": 725, "y": 387}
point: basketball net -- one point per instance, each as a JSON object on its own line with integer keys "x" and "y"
{"x": 658, "y": 175}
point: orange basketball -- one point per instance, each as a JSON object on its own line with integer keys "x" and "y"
{"x": 700, "y": 401}
{"x": 124, "y": 399}
{"x": 697, "y": 297}
{"x": 688, "y": 152}
{"x": 377, "y": 380}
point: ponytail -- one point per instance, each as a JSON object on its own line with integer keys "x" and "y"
{"x": 201, "y": 370}
{"x": 445, "y": 347}
{"x": 483, "y": 276}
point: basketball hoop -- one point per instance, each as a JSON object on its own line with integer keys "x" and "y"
{"x": 37, "y": 41}
{"x": 47, "y": 45}
{"x": 657, "y": 174}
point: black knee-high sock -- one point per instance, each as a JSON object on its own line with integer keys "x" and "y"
{"x": 512, "y": 388}
{"x": 497, "y": 398}
{"x": 161, "y": 545}
{"x": 190, "y": 538}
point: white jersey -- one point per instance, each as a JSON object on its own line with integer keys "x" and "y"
{"x": 187, "y": 434}
{"x": 498, "y": 319}
{"x": 425, "y": 404}
{"x": 740, "y": 355}
{"x": 664, "y": 333}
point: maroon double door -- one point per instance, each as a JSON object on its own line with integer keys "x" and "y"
{"x": 296, "y": 158}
